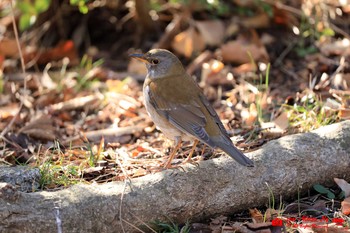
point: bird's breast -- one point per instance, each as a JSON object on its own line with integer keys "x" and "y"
{"x": 160, "y": 121}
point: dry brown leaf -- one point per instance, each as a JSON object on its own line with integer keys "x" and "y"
{"x": 93, "y": 170}
{"x": 100, "y": 148}
{"x": 261, "y": 20}
{"x": 346, "y": 8}
{"x": 244, "y": 68}
{"x": 8, "y": 111}
{"x": 345, "y": 206}
{"x": 344, "y": 113}
{"x": 284, "y": 17}
{"x": 213, "y": 73}
{"x": 198, "y": 61}
{"x": 344, "y": 185}
{"x": 139, "y": 172}
{"x": 47, "y": 81}
{"x": 263, "y": 227}
{"x": 242, "y": 51}
{"x": 245, "y": 3}
{"x": 62, "y": 50}
{"x": 339, "y": 47}
{"x": 271, "y": 214}
{"x": 341, "y": 81}
{"x": 212, "y": 31}
{"x": 249, "y": 116}
{"x": 216, "y": 223}
{"x": 188, "y": 42}
{"x": 2, "y": 59}
{"x": 256, "y": 215}
{"x": 8, "y": 47}
{"x": 332, "y": 104}
{"x": 282, "y": 122}
{"x": 40, "y": 128}
{"x": 76, "y": 103}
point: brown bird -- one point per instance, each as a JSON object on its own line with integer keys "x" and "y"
{"x": 178, "y": 107}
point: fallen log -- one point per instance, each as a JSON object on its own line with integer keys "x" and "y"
{"x": 288, "y": 165}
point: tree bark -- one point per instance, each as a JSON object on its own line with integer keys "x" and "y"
{"x": 285, "y": 166}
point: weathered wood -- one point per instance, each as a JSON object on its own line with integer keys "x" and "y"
{"x": 288, "y": 165}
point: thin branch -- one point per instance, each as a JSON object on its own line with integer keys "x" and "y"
{"x": 23, "y": 71}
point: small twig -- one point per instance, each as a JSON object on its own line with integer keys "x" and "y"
{"x": 284, "y": 53}
{"x": 340, "y": 68}
{"x": 133, "y": 226}
{"x": 91, "y": 135}
{"x": 143, "y": 223}
{"x": 23, "y": 71}
{"x": 75, "y": 103}
{"x": 339, "y": 92}
{"x": 170, "y": 32}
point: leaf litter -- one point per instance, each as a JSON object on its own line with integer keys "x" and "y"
{"x": 87, "y": 123}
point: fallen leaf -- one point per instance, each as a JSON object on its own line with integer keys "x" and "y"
{"x": 245, "y": 3}
{"x": 93, "y": 170}
{"x": 339, "y": 48}
{"x": 341, "y": 81}
{"x": 40, "y": 128}
{"x": 344, "y": 185}
{"x": 243, "y": 51}
{"x": 256, "y": 215}
{"x": 282, "y": 122}
{"x": 198, "y": 61}
{"x": 8, "y": 111}
{"x": 62, "y": 50}
{"x": 76, "y": 103}
{"x": 332, "y": 104}
{"x": 262, "y": 227}
{"x": 216, "y": 223}
{"x": 213, "y": 73}
{"x": 8, "y": 47}
{"x": 249, "y": 117}
{"x": 188, "y": 42}
{"x": 345, "y": 206}
{"x": 284, "y": 17}
{"x": 244, "y": 68}
{"x": 344, "y": 113}
{"x": 271, "y": 214}
{"x": 261, "y": 20}
{"x": 346, "y": 8}
{"x": 139, "y": 172}
{"x": 212, "y": 31}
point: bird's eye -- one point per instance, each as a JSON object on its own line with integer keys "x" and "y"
{"x": 154, "y": 61}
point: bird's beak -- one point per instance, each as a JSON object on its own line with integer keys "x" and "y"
{"x": 140, "y": 57}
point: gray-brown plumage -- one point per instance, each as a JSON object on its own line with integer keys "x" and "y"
{"x": 178, "y": 107}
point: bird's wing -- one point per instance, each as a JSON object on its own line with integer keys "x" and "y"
{"x": 213, "y": 113}
{"x": 188, "y": 118}
{"x": 191, "y": 119}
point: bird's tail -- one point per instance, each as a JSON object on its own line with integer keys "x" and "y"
{"x": 227, "y": 146}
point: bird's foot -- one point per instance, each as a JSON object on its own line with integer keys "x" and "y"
{"x": 168, "y": 165}
{"x": 190, "y": 161}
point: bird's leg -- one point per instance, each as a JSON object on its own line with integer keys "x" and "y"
{"x": 189, "y": 157}
{"x": 203, "y": 150}
{"x": 173, "y": 153}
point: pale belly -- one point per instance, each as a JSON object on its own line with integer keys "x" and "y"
{"x": 169, "y": 130}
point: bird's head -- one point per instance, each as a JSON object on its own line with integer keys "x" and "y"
{"x": 160, "y": 63}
